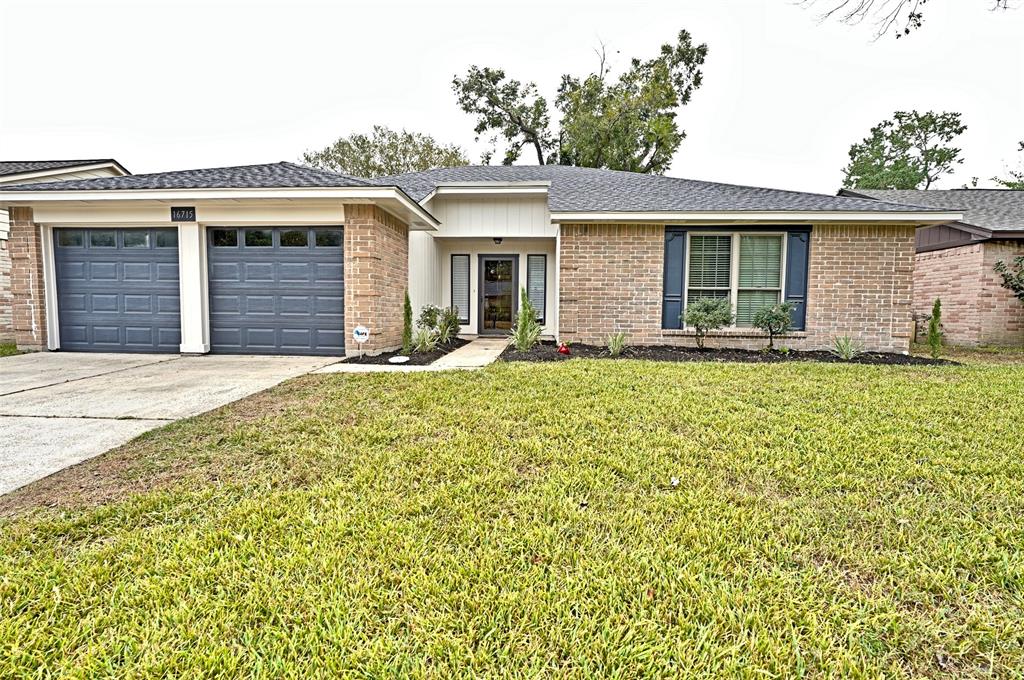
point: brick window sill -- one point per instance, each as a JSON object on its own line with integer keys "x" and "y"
{"x": 731, "y": 333}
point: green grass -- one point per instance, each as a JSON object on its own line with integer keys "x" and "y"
{"x": 520, "y": 521}
{"x": 8, "y": 349}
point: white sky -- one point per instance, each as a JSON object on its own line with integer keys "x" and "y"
{"x": 172, "y": 85}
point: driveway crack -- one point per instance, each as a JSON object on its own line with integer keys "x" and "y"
{"x": 90, "y": 376}
{"x": 67, "y": 417}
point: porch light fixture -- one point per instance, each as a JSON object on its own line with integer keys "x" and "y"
{"x": 497, "y": 241}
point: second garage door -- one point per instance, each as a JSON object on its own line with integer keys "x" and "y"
{"x": 277, "y": 290}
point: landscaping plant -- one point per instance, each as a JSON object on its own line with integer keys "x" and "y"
{"x": 935, "y": 329}
{"x": 707, "y": 314}
{"x": 847, "y": 348}
{"x": 616, "y": 343}
{"x": 775, "y": 320}
{"x": 448, "y": 326}
{"x": 428, "y": 317}
{"x": 407, "y": 326}
{"x": 526, "y": 333}
{"x": 425, "y": 340}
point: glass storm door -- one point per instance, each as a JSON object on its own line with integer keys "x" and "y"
{"x": 497, "y": 295}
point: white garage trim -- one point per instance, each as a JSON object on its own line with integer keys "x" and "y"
{"x": 192, "y": 275}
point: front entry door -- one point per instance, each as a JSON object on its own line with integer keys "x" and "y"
{"x": 498, "y": 302}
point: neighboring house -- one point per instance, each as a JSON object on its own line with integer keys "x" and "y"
{"x": 27, "y": 172}
{"x": 955, "y": 262}
{"x": 286, "y": 259}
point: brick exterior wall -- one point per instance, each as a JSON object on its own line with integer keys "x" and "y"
{"x": 6, "y": 300}
{"x": 976, "y": 309}
{"x": 29, "y": 302}
{"x": 860, "y": 283}
{"x": 376, "y": 276}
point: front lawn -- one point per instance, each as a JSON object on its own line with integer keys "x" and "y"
{"x": 589, "y": 518}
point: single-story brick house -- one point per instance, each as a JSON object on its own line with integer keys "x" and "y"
{"x": 28, "y": 172}
{"x": 286, "y": 259}
{"x": 955, "y": 262}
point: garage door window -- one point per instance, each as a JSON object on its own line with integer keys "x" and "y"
{"x": 295, "y": 238}
{"x": 259, "y": 238}
{"x": 328, "y": 239}
{"x": 167, "y": 238}
{"x": 71, "y": 238}
{"x": 225, "y": 238}
{"x": 102, "y": 239}
{"x": 136, "y": 239}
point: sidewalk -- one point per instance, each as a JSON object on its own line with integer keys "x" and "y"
{"x": 475, "y": 355}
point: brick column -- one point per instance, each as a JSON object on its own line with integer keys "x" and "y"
{"x": 29, "y": 300}
{"x": 376, "y": 276}
{"x": 6, "y": 328}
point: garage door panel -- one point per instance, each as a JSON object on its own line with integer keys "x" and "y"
{"x": 117, "y": 298}
{"x": 277, "y": 299}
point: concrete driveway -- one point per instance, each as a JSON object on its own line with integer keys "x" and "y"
{"x": 58, "y": 409}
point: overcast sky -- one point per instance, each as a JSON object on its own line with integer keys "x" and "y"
{"x": 174, "y": 85}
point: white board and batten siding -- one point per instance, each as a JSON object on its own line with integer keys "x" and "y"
{"x": 490, "y": 217}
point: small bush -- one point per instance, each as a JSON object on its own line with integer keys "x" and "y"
{"x": 847, "y": 348}
{"x": 707, "y": 314}
{"x": 775, "y": 320}
{"x": 425, "y": 340}
{"x": 428, "y": 318}
{"x": 448, "y": 326}
{"x": 935, "y": 329}
{"x": 1013, "y": 276}
{"x": 407, "y": 326}
{"x": 526, "y": 333}
{"x": 616, "y": 343}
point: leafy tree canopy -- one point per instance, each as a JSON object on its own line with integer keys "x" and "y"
{"x": 911, "y": 151}
{"x": 1014, "y": 178}
{"x": 898, "y": 17}
{"x": 385, "y": 152}
{"x": 623, "y": 123}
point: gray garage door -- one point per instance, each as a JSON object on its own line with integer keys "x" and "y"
{"x": 277, "y": 290}
{"x": 117, "y": 289}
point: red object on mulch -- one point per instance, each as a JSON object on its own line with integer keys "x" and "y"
{"x": 563, "y": 348}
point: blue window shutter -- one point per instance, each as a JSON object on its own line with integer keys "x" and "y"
{"x": 675, "y": 261}
{"x": 797, "y": 252}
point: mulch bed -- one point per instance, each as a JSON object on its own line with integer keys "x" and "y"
{"x": 547, "y": 351}
{"x": 415, "y": 359}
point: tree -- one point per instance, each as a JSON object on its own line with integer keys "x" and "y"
{"x": 1015, "y": 180}
{"x": 911, "y": 151}
{"x": 628, "y": 123}
{"x": 775, "y": 320}
{"x": 900, "y": 17}
{"x": 385, "y": 152}
{"x": 707, "y": 314}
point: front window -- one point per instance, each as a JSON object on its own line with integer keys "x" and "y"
{"x": 745, "y": 269}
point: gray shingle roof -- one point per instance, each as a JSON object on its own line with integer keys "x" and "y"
{"x": 993, "y": 209}
{"x": 21, "y": 167}
{"x": 268, "y": 176}
{"x": 575, "y": 189}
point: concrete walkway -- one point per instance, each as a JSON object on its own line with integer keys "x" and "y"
{"x": 478, "y": 353}
{"x": 60, "y": 408}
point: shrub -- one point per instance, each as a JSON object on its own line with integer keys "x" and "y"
{"x": 1013, "y": 276}
{"x": 526, "y": 333}
{"x": 847, "y": 348}
{"x": 707, "y": 314}
{"x": 425, "y": 340}
{"x": 616, "y": 343}
{"x": 775, "y": 320}
{"x": 407, "y": 326}
{"x": 428, "y": 318}
{"x": 935, "y": 329}
{"x": 448, "y": 326}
